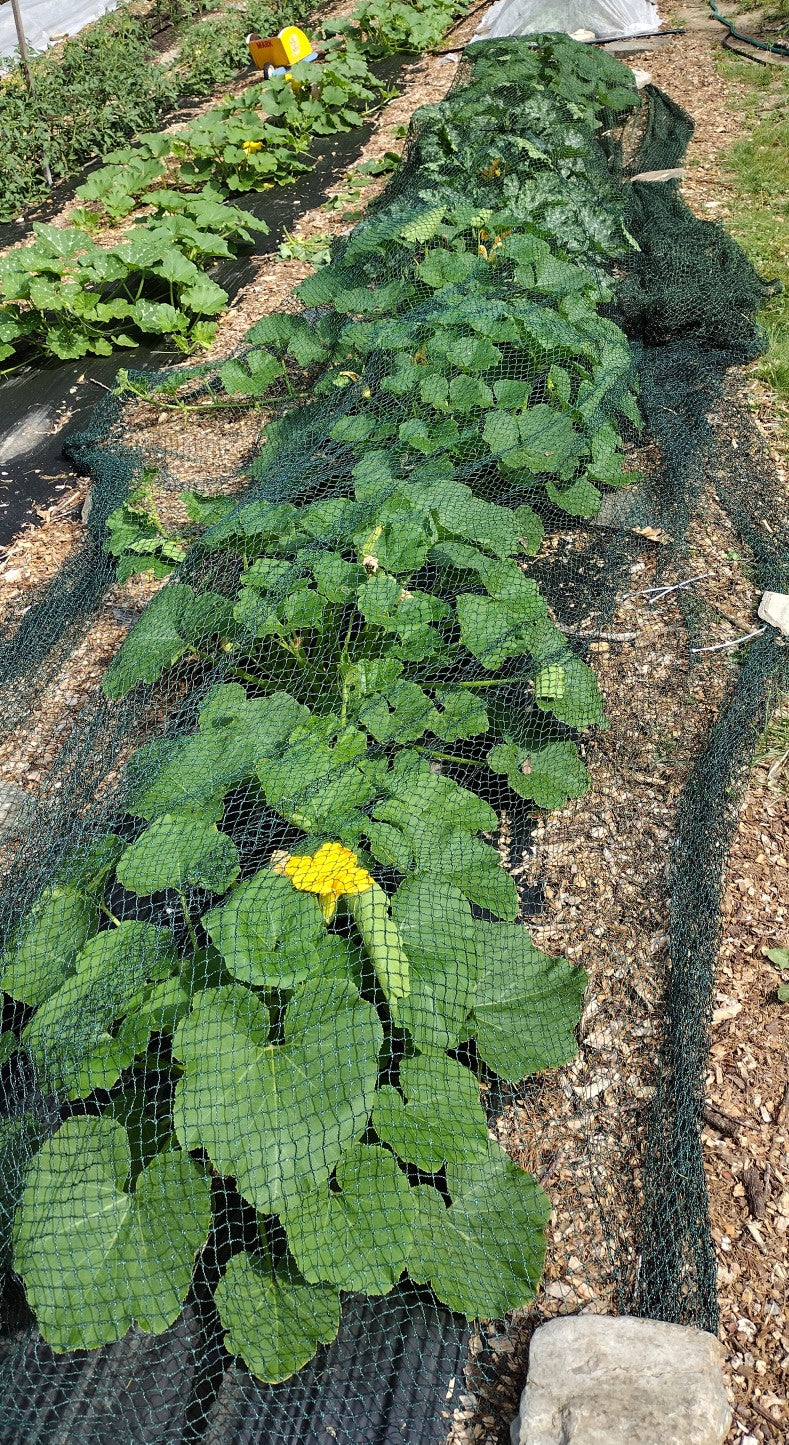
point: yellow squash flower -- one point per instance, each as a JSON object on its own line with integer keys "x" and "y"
{"x": 332, "y": 873}
{"x": 251, "y": 145}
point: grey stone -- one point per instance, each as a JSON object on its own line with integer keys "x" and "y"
{"x": 774, "y": 608}
{"x": 12, "y": 803}
{"x": 599, "y": 1381}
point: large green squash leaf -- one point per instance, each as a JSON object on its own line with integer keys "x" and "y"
{"x": 175, "y": 620}
{"x": 476, "y": 869}
{"x": 569, "y": 689}
{"x": 437, "y": 1118}
{"x": 483, "y": 1255}
{"x": 500, "y": 530}
{"x": 195, "y": 772}
{"x": 548, "y": 775}
{"x": 321, "y": 775}
{"x": 384, "y": 602}
{"x": 403, "y": 713}
{"x": 253, "y": 376}
{"x": 527, "y": 1004}
{"x": 272, "y": 1115}
{"x": 156, "y": 1009}
{"x": 110, "y": 970}
{"x": 269, "y": 933}
{"x": 42, "y": 950}
{"x": 499, "y": 626}
{"x": 96, "y": 1259}
{"x": 420, "y": 811}
{"x": 580, "y": 499}
{"x": 427, "y": 825}
{"x": 547, "y": 443}
{"x": 272, "y": 1318}
{"x": 179, "y": 850}
{"x": 357, "y": 1237}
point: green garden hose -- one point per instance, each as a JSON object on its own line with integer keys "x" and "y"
{"x": 776, "y": 48}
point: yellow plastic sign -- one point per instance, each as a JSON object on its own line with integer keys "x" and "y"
{"x": 282, "y": 50}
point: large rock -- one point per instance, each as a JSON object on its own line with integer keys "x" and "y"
{"x": 599, "y": 1381}
{"x": 774, "y": 608}
{"x": 13, "y": 801}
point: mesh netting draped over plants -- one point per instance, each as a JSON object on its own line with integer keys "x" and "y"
{"x": 284, "y": 1042}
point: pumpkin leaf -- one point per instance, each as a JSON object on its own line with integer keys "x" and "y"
{"x": 96, "y": 1258}
{"x": 436, "y": 1117}
{"x": 272, "y": 1115}
{"x": 273, "y": 1319}
{"x": 269, "y": 933}
{"x": 179, "y": 850}
{"x": 474, "y": 1266}
{"x": 110, "y": 969}
{"x": 548, "y": 775}
{"x": 358, "y": 1235}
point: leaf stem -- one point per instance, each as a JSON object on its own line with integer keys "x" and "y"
{"x": 188, "y": 919}
{"x": 452, "y": 758}
{"x": 488, "y": 682}
{"x": 246, "y": 676}
{"x": 346, "y": 686}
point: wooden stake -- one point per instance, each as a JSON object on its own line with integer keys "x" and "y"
{"x": 24, "y": 60}
{"x": 20, "y": 35}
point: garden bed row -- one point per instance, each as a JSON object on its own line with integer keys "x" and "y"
{"x": 264, "y": 989}
{"x": 67, "y": 295}
{"x": 118, "y": 76}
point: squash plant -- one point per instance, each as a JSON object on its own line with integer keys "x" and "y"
{"x": 69, "y": 296}
{"x": 247, "y": 142}
{"x": 265, "y": 999}
{"x": 321, "y": 1009}
{"x": 387, "y": 27}
{"x": 309, "y": 1020}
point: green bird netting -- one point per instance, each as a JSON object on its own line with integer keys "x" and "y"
{"x": 359, "y": 930}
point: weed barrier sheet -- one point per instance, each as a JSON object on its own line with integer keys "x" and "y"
{"x": 45, "y": 21}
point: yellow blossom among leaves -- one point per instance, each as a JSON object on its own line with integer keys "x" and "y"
{"x": 332, "y": 873}
{"x": 251, "y": 145}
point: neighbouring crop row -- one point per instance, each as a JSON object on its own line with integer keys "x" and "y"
{"x": 246, "y": 143}
{"x": 105, "y": 84}
{"x": 266, "y": 998}
{"x": 67, "y": 296}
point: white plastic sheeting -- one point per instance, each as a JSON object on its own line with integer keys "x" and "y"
{"x": 47, "y": 20}
{"x": 599, "y": 18}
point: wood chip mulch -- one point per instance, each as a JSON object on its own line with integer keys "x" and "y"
{"x": 582, "y": 1131}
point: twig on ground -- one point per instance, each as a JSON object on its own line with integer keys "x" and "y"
{"x": 724, "y": 1123}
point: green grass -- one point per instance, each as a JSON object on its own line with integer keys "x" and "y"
{"x": 770, "y": 14}
{"x": 773, "y": 745}
{"x": 759, "y": 167}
